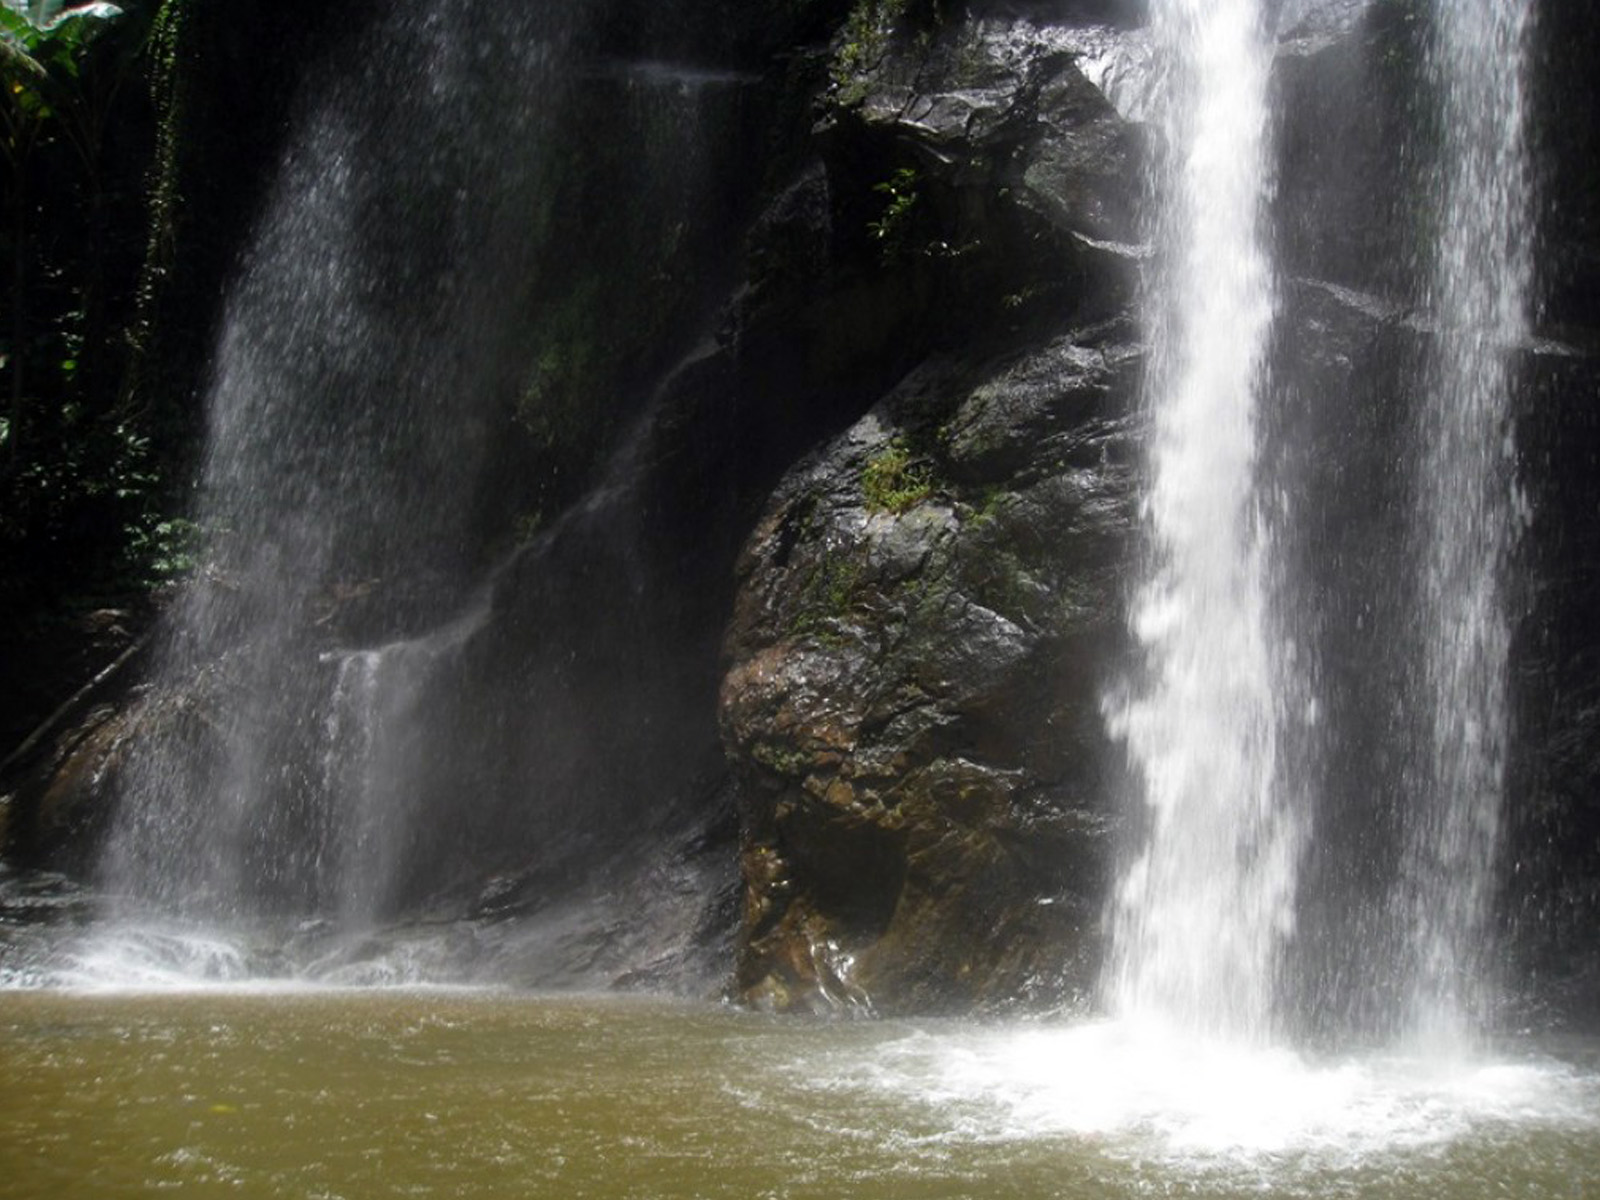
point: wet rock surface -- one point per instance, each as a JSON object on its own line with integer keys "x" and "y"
{"x": 929, "y": 602}
{"x": 927, "y": 611}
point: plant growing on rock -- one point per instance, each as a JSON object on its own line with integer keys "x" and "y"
{"x": 864, "y": 38}
{"x": 892, "y": 482}
{"x": 891, "y": 229}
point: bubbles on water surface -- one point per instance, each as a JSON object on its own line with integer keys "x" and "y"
{"x": 1138, "y": 1094}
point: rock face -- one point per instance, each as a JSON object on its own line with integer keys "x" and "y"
{"x": 923, "y": 625}
{"x": 928, "y": 606}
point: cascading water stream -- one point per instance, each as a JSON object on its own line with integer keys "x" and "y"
{"x": 370, "y": 731}
{"x": 1467, "y": 510}
{"x": 417, "y": 672}
{"x": 1201, "y": 909}
{"x": 371, "y": 332}
{"x": 1205, "y": 906}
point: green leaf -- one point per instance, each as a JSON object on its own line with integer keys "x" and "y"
{"x": 53, "y": 35}
{"x": 14, "y": 25}
{"x": 17, "y": 65}
{"x": 83, "y": 14}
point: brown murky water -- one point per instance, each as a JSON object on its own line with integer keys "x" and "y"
{"x": 452, "y": 1094}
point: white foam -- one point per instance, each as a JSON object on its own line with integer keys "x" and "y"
{"x": 1146, "y": 1092}
{"x": 172, "y": 957}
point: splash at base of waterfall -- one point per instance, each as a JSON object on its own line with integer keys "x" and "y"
{"x": 1146, "y": 1092}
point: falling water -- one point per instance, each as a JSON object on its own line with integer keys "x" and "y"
{"x": 1202, "y": 908}
{"x": 416, "y": 673}
{"x": 352, "y": 728}
{"x": 373, "y": 718}
{"x": 1467, "y": 506}
{"x": 364, "y": 348}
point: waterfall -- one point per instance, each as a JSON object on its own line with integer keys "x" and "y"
{"x": 351, "y": 761}
{"x": 1207, "y": 902}
{"x": 1466, "y": 508}
{"x": 366, "y": 348}
{"x": 373, "y": 726}
{"x": 1201, "y": 909}
{"x": 436, "y": 657}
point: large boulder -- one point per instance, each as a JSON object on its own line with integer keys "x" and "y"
{"x": 927, "y": 608}
{"x": 925, "y": 618}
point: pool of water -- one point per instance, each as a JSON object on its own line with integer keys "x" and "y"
{"x": 323, "y": 1093}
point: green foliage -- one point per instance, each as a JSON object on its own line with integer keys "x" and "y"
{"x": 838, "y": 580}
{"x": 785, "y": 760}
{"x": 159, "y": 550}
{"x": 826, "y": 598}
{"x": 892, "y": 482}
{"x": 864, "y": 39}
{"x": 42, "y": 50}
{"x": 42, "y": 53}
{"x": 991, "y": 502}
{"x": 170, "y": 95}
{"x": 82, "y": 490}
{"x": 892, "y": 229}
